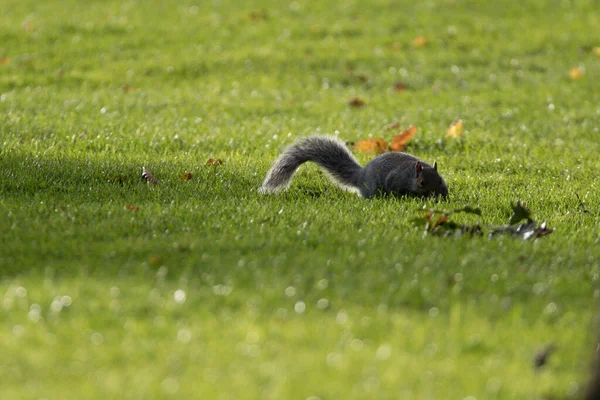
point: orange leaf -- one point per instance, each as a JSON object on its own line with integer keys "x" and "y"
{"x": 356, "y": 102}
{"x": 4, "y": 60}
{"x": 455, "y": 130}
{"x": 377, "y": 146}
{"x": 214, "y": 161}
{"x": 187, "y": 176}
{"x": 576, "y": 72}
{"x": 400, "y": 141}
{"x": 130, "y": 207}
{"x": 148, "y": 177}
{"x": 419, "y": 41}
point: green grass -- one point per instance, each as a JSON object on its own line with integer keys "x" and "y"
{"x": 312, "y": 293}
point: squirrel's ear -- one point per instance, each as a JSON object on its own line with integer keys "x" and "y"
{"x": 418, "y": 167}
{"x": 435, "y": 165}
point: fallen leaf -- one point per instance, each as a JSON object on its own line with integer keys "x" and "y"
{"x": 596, "y": 50}
{"x": 400, "y": 141}
{"x": 540, "y": 358}
{"x": 419, "y": 41}
{"x": 455, "y": 129}
{"x": 130, "y": 207}
{"x": 576, "y": 73}
{"x": 443, "y": 226}
{"x": 155, "y": 259}
{"x": 187, "y": 176}
{"x": 258, "y": 15}
{"x": 377, "y": 146}
{"x": 526, "y": 230}
{"x": 128, "y": 88}
{"x": 356, "y": 102}
{"x": 582, "y": 206}
{"x": 4, "y": 60}
{"x": 400, "y": 87}
{"x": 520, "y": 212}
{"x": 148, "y": 177}
{"x": 214, "y": 161}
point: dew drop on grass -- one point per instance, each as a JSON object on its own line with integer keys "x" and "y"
{"x": 184, "y": 336}
{"x": 300, "y": 307}
{"x": 35, "y": 312}
{"x": 356, "y": 344}
{"x": 538, "y": 288}
{"x": 179, "y": 296}
{"x": 18, "y": 330}
{"x": 383, "y": 352}
{"x": 66, "y": 301}
{"x": 169, "y": 385}
{"x": 21, "y": 292}
{"x": 322, "y": 284}
{"x": 322, "y": 304}
{"x": 96, "y": 338}
{"x": 550, "y": 308}
{"x": 334, "y": 360}
{"x": 252, "y": 337}
{"x": 290, "y": 291}
{"x": 56, "y": 305}
{"x": 281, "y": 313}
{"x": 341, "y": 317}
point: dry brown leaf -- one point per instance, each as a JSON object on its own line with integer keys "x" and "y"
{"x": 131, "y": 207}
{"x": 148, "y": 177}
{"x": 356, "y": 102}
{"x": 214, "y": 161}
{"x": 576, "y": 72}
{"x": 258, "y": 16}
{"x": 455, "y": 130}
{"x": 377, "y": 146}
{"x": 187, "y": 176}
{"x": 419, "y": 41}
{"x": 400, "y": 141}
{"x": 399, "y": 87}
{"x": 128, "y": 88}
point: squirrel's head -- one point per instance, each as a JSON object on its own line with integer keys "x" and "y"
{"x": 429, "y": 182}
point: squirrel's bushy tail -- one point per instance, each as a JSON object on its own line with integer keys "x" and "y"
{"x": 328, "y": 152}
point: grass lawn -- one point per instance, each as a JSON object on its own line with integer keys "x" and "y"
{"x": 203, "y": 288}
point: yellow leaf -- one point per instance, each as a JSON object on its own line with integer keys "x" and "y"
{"x": 419, "y": 41}
{"x": 576, "y": 72}
{"x": 377, "y": 146}
{"x": 455, "y": 130}
{"x": 596, "y": 50}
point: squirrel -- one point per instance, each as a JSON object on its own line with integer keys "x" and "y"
{"x": 394, "y": 173}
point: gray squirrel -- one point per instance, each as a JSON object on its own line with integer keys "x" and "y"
{"x": 394, "y": 173}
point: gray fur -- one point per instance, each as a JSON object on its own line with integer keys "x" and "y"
{"x": 397, "y": 174}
